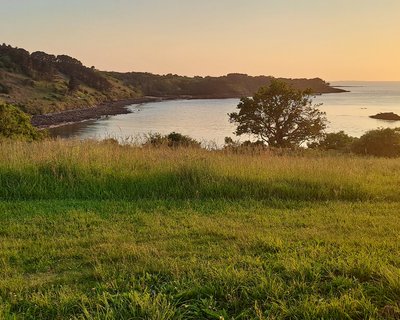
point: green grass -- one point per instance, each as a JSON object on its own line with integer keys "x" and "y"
{"x": 98, "y": 231}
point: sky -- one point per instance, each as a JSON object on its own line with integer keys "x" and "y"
{"x": 334, "y": 40}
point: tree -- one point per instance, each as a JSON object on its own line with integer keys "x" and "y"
{"x": 73, "y": 84}
{"x": 280, "y": 116}
{"x": 15, "y": 124}
{"x": 379, "y": 143}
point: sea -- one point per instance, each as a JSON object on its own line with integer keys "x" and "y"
{"x": 207, "y": 120}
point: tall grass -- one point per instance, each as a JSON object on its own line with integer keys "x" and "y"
{"x": 92, "y": 230}
{"x": 88, "y": 170}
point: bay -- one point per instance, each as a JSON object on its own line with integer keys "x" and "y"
{"x": 207, "y": 120}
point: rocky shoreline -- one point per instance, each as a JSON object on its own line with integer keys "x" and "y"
{"x": 52, "y": 120}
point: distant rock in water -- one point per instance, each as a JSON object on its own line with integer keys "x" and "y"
{"x": 386, "y": 116}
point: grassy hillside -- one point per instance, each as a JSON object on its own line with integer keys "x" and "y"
{"x": 100, "y": 231}
{"x": 42, "y": 83}
{"x": 42, "y": 96}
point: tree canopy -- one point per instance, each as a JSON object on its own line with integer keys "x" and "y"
{"x": 42, "y": 66}
{"x": 280, "y": 116}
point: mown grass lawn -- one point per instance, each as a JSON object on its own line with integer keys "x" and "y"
{"x": 99, "y": 231}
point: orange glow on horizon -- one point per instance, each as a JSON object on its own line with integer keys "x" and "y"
{"x": 334, "y": 41}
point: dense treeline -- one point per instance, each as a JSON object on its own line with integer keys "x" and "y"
{"x": 42, "y": 66}
{"x": 230, "y": 86}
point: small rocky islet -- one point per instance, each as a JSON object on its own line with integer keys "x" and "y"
{"x": 386, "y": 116}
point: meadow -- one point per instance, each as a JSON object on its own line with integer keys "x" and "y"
{"x": 95, "y": 230}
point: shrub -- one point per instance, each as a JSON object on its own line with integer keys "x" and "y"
{"x": 235, "y": 145}
{"x": 380, "y": 143}
{"x": 172, "y": 140}
{"x": 334, "y": 141}
{"x": 15, "y": 124}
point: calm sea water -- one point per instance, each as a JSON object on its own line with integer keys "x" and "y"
{"x": 207, "y": 120}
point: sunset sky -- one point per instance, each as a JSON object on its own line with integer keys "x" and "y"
{"x": 334, "y": 40}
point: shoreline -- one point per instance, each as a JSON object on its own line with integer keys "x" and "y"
{"x": 64, "y": 118}
{"x": 111, "y": 108}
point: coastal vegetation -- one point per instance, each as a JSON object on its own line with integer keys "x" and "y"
{"x": 338, "y": 141}
{"x": 233, "y": 85}
{"x": 381, "y": 143}
{"x": 43, "y": 83}
{"x": 16, "y": 125}
{"x": 98, "y": 230}
{"x": 173, "y": 140}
